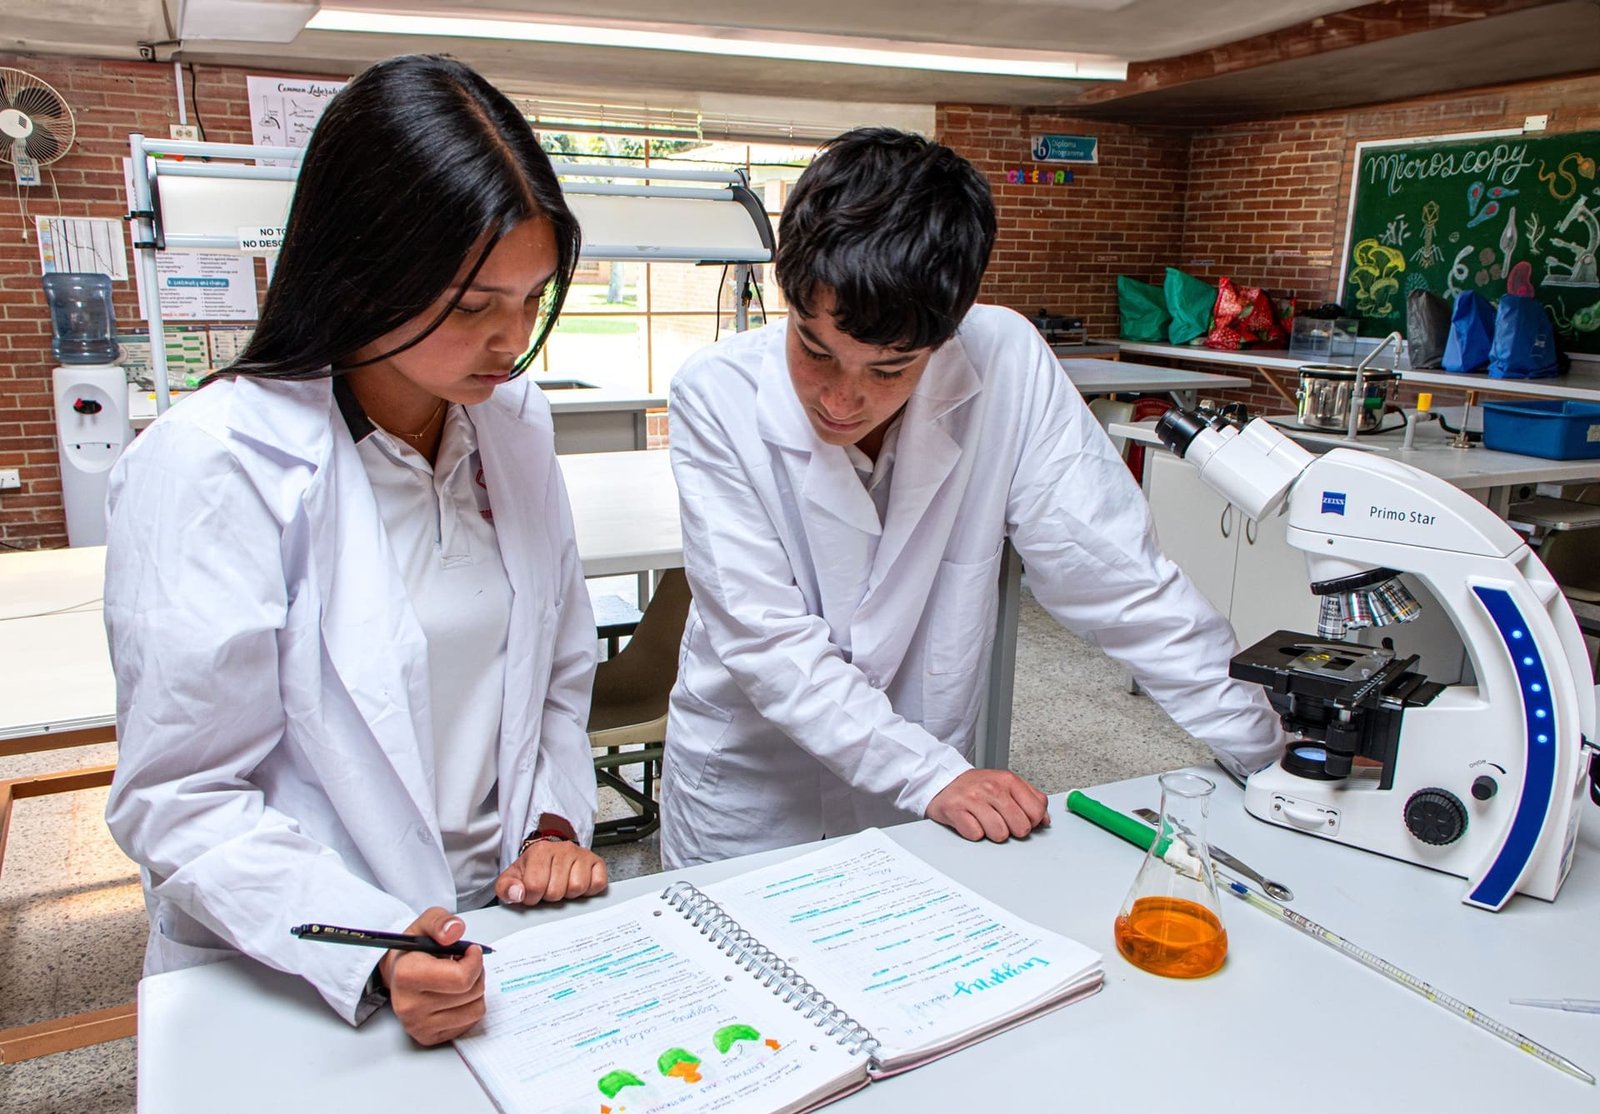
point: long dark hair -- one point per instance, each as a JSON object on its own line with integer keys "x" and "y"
{"x": 900, "y": 228}
{"x": 413, "y": 163}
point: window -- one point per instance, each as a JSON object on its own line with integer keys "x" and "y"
{"x": 630, "y": 325}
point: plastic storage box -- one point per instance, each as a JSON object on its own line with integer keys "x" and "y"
{"x": 1323, "y": 339}
{"x": 1556, "y": 429}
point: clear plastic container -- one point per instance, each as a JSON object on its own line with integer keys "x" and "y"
{"x": 82, "y": 323}
{"x": 1330, "y": 338}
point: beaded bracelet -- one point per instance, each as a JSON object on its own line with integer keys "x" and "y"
{"x": 541, "y": 835}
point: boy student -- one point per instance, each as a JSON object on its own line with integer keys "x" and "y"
{"x": 848, "y": 479}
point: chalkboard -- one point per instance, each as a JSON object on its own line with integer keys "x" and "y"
{"x": 1483, "y": 213}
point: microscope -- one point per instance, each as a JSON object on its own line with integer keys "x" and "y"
{"x": 1483, "y": 780}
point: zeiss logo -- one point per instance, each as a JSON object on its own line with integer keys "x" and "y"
{"x": 1333, "y": 502}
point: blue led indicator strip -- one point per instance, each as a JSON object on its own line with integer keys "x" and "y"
{"x": 1539, "y": 743}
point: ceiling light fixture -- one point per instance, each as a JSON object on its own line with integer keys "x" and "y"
{"x": 737, "y": 43}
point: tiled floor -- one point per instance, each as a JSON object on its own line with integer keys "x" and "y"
{"x": 72, "y": 921}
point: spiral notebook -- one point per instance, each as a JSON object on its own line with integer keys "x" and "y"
{"x": 772, "y": 992}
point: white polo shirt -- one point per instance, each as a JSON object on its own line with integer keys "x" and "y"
{"x": 441, "y": 531}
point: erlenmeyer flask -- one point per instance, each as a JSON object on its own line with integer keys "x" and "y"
{"x": 1171, "y": 921}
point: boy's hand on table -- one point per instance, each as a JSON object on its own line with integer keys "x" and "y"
{"x": 551, "y": 870}
{"x": 990, "y": 804}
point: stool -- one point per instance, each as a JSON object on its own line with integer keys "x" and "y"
{"x": 79, "y": 1030}
{"x": 614, "y": 619}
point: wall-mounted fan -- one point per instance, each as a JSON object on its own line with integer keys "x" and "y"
{"x": 36, "y": 126}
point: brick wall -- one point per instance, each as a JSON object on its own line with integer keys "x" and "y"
{"x": 1061, "y": 246}
{"x": 1263, "y": 202}
{"x": 1267, "y": 200}
{"x": 109, "y": 100}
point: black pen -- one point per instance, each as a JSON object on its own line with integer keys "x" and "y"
{"x": 393, "y": 941}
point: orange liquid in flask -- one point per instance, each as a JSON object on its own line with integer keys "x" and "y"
{"x": 1172, "y": 937}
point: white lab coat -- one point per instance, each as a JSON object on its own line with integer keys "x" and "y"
{"x": 833, "y": 669}
{"x": 272, "y": 687}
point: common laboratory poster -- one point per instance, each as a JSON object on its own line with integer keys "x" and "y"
{"x": 284, "y": 110}
{"x": 205, "y": 286}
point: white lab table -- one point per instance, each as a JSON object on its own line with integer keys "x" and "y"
{"x": 1099, "y": 377}
{"x": 587, "y": 419}
{"x": 55, "y": 672}
{"x": 1582, "y": 382}
{"x": 1287, "y": 1022}
{"x": 1493, "y": 477}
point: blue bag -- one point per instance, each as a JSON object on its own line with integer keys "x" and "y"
{"x": 1471, "y": 334}
{"x": 1524, "y": 342}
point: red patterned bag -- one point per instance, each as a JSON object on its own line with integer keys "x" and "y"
{"x": 1243, "y": 316}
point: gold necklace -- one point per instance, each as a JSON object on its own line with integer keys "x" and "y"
{"x": 427, "y": 426}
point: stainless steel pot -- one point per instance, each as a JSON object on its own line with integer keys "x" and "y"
{"x": 1324, "y": 396}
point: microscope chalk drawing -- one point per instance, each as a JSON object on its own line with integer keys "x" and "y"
{"x": 1580, "y": 270}
{"x": 1483, "y": 780}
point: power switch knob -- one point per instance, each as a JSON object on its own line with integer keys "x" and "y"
{"x": 1436, "y": 816}
{"x": 1484, "y": 787}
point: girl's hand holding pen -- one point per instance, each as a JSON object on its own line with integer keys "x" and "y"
{"x": 435, "y": 998}
{"x": 551, "y": 870}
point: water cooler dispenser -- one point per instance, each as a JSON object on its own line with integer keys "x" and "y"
{"x": 91, "y": 396}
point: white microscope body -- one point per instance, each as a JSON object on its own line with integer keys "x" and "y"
{"x": 1496, "y": 770}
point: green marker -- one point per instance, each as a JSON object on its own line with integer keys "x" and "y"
{"x": 1141, "y": 835}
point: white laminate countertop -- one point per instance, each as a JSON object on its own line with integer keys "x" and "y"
{"x": 1582, "y": 382}
{"x": 1103, "y": 376}
{"x": 1473, "y": 469}
{"x": 563, "y": 400}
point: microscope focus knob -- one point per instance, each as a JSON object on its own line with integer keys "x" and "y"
{"x": 1436, "y": 816}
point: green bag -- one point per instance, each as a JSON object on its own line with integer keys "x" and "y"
{"x": 1190, "y": 301}
{"x": 1142, "y": 308}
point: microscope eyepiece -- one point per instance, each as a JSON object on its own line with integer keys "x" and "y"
{"x": 1178, "y": 428}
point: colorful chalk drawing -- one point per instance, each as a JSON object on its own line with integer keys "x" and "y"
{"x": 1397, "y": 232}
{"x": 1475, "y": 197}
{"x": 1429, "y": 255}
{"x": 1585, "y": 320}
{"x": 1535, "y": 231}
{"x": 679, "y": 1063}
{"x": 612, "y": 1082}
{"x": 1582, "y": 163}
{"x": 1508, "y": 241}
{"x": 1376, "y": 277}
{"x": 1581, "y": 269}
{"x": 1520, "y": 280}
{"x": 1458, "y": 272}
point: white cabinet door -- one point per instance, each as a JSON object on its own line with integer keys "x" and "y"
{"x": 1197, "y": 528}
{"x": 1271, "y": 590}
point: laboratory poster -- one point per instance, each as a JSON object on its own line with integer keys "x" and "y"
{"x": 284, "y": 110}
{"x": 205, "y": 286}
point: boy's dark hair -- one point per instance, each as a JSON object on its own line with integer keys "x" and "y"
{"x": 413, "y": 164}
{"x": 900, "y": 229}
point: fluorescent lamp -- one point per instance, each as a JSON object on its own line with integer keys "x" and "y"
{"x": 254, "y": 21}
{"x": 736, "y": 43}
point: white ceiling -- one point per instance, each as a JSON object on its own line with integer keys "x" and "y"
{"x": 1537, "y": 42}
{"x": 1129, "y": 30}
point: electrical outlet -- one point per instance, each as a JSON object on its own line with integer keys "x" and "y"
{"x": 185, "y": 131}
{"x": 1535, "y": 123}
{"x": 10, "y": 479}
